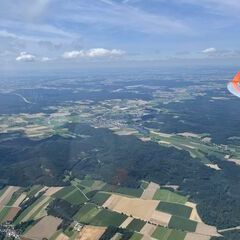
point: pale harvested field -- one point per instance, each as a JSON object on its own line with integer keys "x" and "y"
{"x": 213, "y": 166}
{"x": 112, "y": 201}
{"x": 12, "y": 213}
{"x": 51, "y": 190}
{"x": 126, "y": 132}
{"x": 188, "y": 134}
{"x": 45, "y": 228}
{"x": 35, "y": 209}
{"x": 148, "y": 229}
{"x": 126, "y": 222}
{"x": 42, "y": 190}
{"x": 237, "y": 161}
{"x": 42, "y": 213}
{"x": 62, "y": 236}
{"x": 188, "y": 146}
{"x": 149, "y": 192}
{"x": 205, "y": 229}
{"x": 145, "y": 139}
{"x": 7, "y": 195}
{"x": 162, "y": 134}
{"x": 20, "y": 199}
{"x": 91, "y": 233}
{"x": 194, "y": 236}
{"x": 194, "y": 214}
{"x": 160, "y": 218}
{"x": 136, "y": 207}
{"x": 164, "y": 142}
{"x": 147, "y": 238}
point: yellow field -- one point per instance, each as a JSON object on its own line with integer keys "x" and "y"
{"x": 138, "y": 208}
{"x": 91, "y": 233}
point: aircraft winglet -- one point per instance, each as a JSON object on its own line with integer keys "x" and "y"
{"x": 233, "y": 86}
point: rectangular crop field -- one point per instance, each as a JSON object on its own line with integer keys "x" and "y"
{"x": 136, "y": 236}
{"x": 63, "y": 192}
{"x": 75, "y": 197}
{"x": 168, "y": 196}
{"x": 182, "y": 224}
{"x": 100, "y": 198}
{"x": 136, "y": 225}
{"x": 175, "y": 234}
{"x": 108, "y": 218}
{"x": 71, "y": 194}
{"x": 87, "y": 213}
{"x": 161, "y": 233}
{"x": 175, "y": 209}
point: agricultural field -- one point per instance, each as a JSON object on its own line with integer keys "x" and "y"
{"x": 66, "y": 213}
{"x": 169, "y": 196}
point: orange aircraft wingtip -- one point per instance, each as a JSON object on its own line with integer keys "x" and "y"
{"x": 233, "y": 86}
{"x": 236, "y": 78}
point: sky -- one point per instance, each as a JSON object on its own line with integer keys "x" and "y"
{"x": 38, "y": 33}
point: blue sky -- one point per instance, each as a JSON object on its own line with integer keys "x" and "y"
{"x": 65, "y": 32}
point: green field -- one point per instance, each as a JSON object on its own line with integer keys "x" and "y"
{"x": 63, "y": 192}
{"x": 34, "y": 189}
{"x": 144, "y": 184}
{"x": 2, "y": 191}
{"x": 168, "y": 196}
{"x": 108, "y": 218}
{"x": 75, "y": 197}
{"x": 55, "y": 235}
{"x": 136, "y": 236}
{"x": 14, "y": 197}
{"x": 4, "y": 213}
{"x": 161, "y": 233}
{"x": 72, "y": 195}
{"x": 177, "y": 235}
{"x": 136, "y": 225}
{"x": 87, "y": 183}
{"x": 182, "y": 224}
{"x": 175, "y": 209}
{"x": 134, "y": 192}
{"x": 100, "y": 198}
{"x": 29, "y": 209}
{"x": 87, "y": 213}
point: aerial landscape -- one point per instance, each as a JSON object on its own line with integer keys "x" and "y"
{"x": 110, "y": 144}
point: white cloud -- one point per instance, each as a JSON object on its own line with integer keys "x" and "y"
{"x": 45, "y": 59}
{"x": 26, "y": 57}
{"x": 209, "y": 50}
{"x": 73, "y": 54}
{"x": 102, "y": 52}
{"x": 93, "y": 53}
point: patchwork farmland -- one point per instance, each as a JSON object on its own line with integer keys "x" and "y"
{"x": 94, "y": 210}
